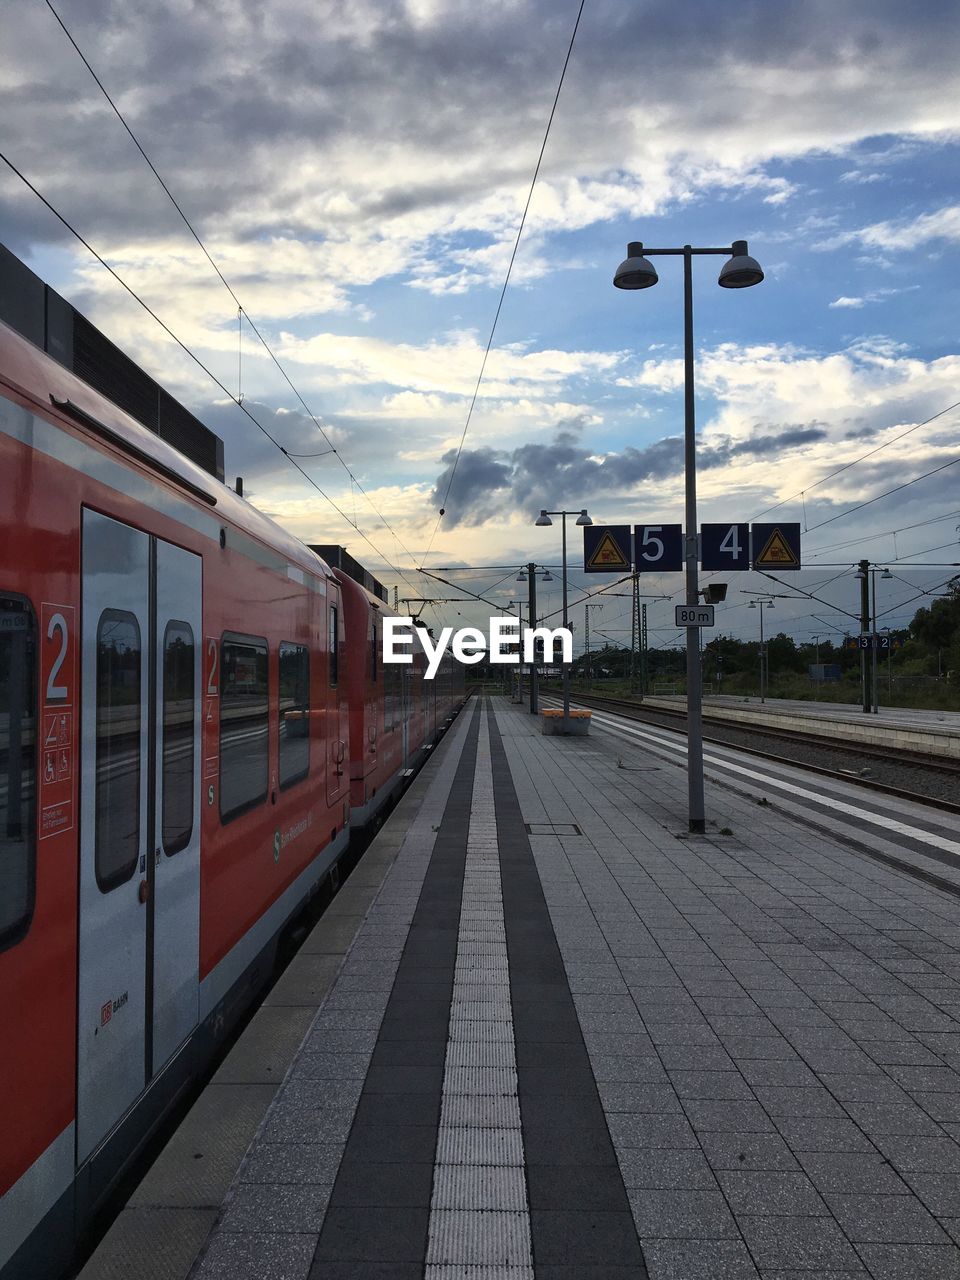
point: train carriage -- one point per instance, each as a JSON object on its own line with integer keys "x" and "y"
{"x": 176, "y": 739}
{"x": 155, "y": 634}
{"x": 395, "y": 712}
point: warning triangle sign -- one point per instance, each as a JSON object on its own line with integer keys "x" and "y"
{"x": 777, "y": 554}
{"x": 608, "y": 555}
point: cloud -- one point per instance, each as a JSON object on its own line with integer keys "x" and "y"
{"x": 875, "y": 295}
{"x": 902, "y": 233}
{"x": 487, "y": 484}
{"x": 383, "y": 136}
{"x": 447, "y": 366}
{"x": 858, "y": 177}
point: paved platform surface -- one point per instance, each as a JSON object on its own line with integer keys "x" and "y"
{"x": 935, "y": 733}
{"x": 568, "y": 1041}
{"x": 918, "y": 717}
{"x": 904, "y": 717}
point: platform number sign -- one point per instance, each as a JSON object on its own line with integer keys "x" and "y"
{"x": 58, "y": 739}
{"x": 725, "y": 547}
{"x": 658, "y": 548}
{"x": 867, "y": 640}
{"x": 211, "y": 719}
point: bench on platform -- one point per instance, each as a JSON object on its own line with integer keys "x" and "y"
{"x": 577, "y": 722}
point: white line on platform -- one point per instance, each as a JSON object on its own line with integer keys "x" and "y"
{"x": 884, "y": 821}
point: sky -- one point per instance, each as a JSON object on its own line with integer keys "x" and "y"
{"x": 358, "y": 171}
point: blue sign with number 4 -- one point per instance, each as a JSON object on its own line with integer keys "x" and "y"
{"x": 725, "y": 546}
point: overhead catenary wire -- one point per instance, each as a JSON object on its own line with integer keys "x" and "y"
{"x": 889, "y": 492}
{"x": 801, "y": 493}
{"x": 196, "y": 359}
{"x": 886, "y": 533}
{"x": 242, "y": 312}
{"x": 506, "y": 282}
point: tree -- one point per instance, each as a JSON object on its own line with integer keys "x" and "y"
{"x": 782, "y": 654}
{"x": 937, "y": 631}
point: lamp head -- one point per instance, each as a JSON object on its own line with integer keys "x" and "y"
{"x": 752, "y": 604}
{"x": 543, "y": 520}
{"x": 635, "y": 272}
{"x": 522, "y": 575}
{"x": 548, "y": 576}
{"x": 886, "y": 574}
{"x": 583, "y": 518}
{"x": 740, "y": 271}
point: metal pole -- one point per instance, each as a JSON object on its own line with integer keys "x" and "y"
{"x": 633, "y": 634}
{"x": 873, "y": 642}
{"x": 816, "y": 683}
{"x": 586, "y": 643}
{"x": 864, "y": 630}
{"x": 890, "y": 668}
{"x": 644, "y": 668}
{"x": 566, "y": 665}
{"x": 532, "y": 599}
{"x": 763, "y": 683}
{"x": 697, "y": 819}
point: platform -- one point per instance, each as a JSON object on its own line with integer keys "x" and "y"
{"x": 926, "y": 732}
{"x": 563, "y": 1039}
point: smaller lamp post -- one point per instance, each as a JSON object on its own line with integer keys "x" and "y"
{"x": 543, "y": 521}
{"x": 530, "y": 575}
{"x": 764, "y": 603}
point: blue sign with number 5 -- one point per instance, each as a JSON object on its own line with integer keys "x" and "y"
{"x": 658, "y": 548}
{"x": 725, "y": 546}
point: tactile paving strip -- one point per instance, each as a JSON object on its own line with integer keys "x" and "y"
{"x": 479, "y": 1219}
{"x": 489, "y": 1237}
{"x": 479, "y": 1187}
{"x": 489, "y": 1111}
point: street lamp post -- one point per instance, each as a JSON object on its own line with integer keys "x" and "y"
{"x": 543, "y": 520}
{"x": 867, "y": 575}
{"x": 764, "y": 603}
{"x": 819, "y": 675}
{"x": 591, "y": 604}
{"x": 886, "y": 631}
{"x": 741, "y": 271}
{"x": 530, "y": 576}
{"x": 519, "y": 605}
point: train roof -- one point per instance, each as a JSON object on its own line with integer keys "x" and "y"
{"x": 63, "y": 397}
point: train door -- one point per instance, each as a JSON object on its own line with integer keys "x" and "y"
{"x": 175, "y": 895}
{"x": 139, "y": 839}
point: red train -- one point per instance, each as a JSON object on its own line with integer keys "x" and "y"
{"x": 193, "y": 718}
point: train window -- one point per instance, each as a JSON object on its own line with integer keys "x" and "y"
{"x": 117, "y": 795}
{"x": 18, "y": 770}
{"x": 244, "y": 737}
{"x": 179, "y": 712}
{"x": 373, "y": 650}
{"x": 294, "y": 713}
{"x": 334, "y": 645}
{"x": 391, "y": 697}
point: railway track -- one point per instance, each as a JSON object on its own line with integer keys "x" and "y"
{"x": 934, "y": 782}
